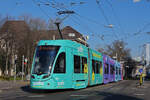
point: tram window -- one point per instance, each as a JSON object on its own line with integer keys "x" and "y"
{"x": 106, "y": 68}
{"x": 100, "y": 66}
{"x": 97, "y": 67}
{"x": 93, "y": 66}
{"x": 116, "y": 70}
{"x": 119, "y": 71}
{"x": 60, "y": 66}
{"x": 84, "y": 64}
{"x": 111, "y": 69}
{"x": 77, "y": 64}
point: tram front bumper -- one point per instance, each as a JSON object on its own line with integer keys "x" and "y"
{"x": 42, "y": 84}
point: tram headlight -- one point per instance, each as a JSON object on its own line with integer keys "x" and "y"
{"x": 32, "y": 76}
{"x": 46, "y": 76}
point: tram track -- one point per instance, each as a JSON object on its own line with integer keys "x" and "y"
{"x": 112, "y": 90}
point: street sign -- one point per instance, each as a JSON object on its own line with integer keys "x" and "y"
{"x": 141, "y": 70}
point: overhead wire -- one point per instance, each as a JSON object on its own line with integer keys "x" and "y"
{"x": 77, "y": 21}
{"x": 85, "y": 24}
{"x": 116, "y": 17}
{"x": 41, "y": 8}
{"x": 105, "y": 17}
{"x": 95, "y": 22}
{"x": 141, "y": 30}
{"x": 94, "y": 35}
{"x": 89, "y": 20}
{"x": 102, "y": 36}
{"x": 83, "y": 18}
{"x": 15, "y": 6}
{"x": 87, "y": 27}
{"x": 58, "y": 8}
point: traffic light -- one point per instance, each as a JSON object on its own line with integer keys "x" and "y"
{"x": 25, "y": 61}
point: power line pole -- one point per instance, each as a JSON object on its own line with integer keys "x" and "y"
{"x": 147, "y": 54}
{"x": 58, "y": 22}
{"x": 58, "y": 27}
{"x": 22, "y": 67}
{"x": 15, "y": 61}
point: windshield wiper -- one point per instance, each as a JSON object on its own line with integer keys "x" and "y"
{"x": 38, "y": 73}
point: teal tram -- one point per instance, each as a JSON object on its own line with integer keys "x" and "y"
{"x": 65, "y": 64}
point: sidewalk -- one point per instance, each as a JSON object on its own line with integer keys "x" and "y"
{"x": 5, "y": 85}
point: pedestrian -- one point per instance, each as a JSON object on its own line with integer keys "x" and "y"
{"x": 141, "y": 79}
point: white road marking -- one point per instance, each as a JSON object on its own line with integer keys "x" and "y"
{"x": 5, "y": 88}
{"x": 134, "y": 88}
{"x": 12, "y": 97}
{"x": 109, "y": 95}
{"x": 73, "y": 95}
{"x": 36, "y": 96}
{"x": 138, "y": 94}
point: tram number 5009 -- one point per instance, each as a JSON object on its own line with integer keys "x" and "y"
{"x": 60, "y": 83}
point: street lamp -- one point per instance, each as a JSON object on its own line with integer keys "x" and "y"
{"x": 116, "y": 56}
{"x": 109, "y": 26}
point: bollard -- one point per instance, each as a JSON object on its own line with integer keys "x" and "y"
{"x": 141, "y": 80}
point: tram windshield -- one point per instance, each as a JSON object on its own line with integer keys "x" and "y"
{"x": 44, "y": 59}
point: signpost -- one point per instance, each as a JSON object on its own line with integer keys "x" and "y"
{"x": 141, "y": 70}
{"x": 15, "y": 61}
{"x": 141, "y": 76}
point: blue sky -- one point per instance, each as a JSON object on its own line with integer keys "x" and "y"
{"x": 128, "y": 17}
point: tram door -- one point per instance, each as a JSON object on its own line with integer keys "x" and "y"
{"x": 106, "y": 72}
{"x": 62, "y": 70}
{"x": 80, "y": 72}
{"x": 116, "y": 72}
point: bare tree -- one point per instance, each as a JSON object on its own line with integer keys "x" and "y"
{"x": 51, "y": 25}
{"x": 36, "y": 25}
{"x": 0, "y": 20}
{"x": 118, "y": 50}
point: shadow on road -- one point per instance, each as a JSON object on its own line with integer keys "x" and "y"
{"x": 112, "y": 96}
{"x": 42, "y": 91}
{"x": 81, "y": 95}
{"x": 103, "y": 96}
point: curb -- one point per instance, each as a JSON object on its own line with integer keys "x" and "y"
{"x": 5, "y": 88}
{"x": 13, "y": 85}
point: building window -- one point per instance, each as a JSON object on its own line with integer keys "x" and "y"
{"x": 77, "y": 66}
{"x": 60, "y": 66}
{"x": 84, "y": 65}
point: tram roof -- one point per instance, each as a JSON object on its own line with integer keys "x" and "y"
{"x": 68, "y": 43}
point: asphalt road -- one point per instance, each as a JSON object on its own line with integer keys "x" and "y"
{"x": 123, "y": 90}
